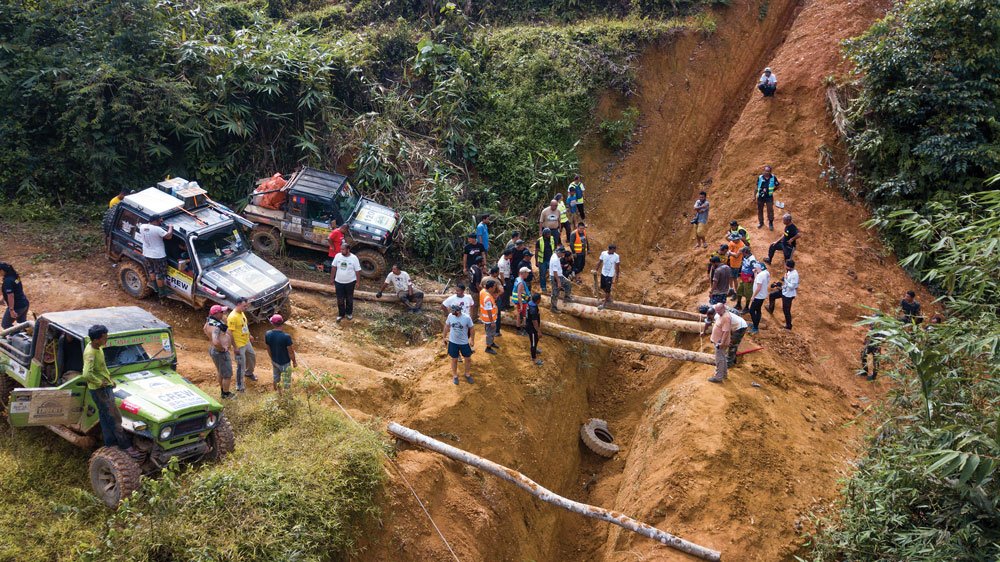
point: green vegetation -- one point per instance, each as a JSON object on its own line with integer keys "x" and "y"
{"x": 928, "y": 488}
{"x": 440, "y": 116}
{"x": 618, "y": 132}
{"x": 301, "y": 485}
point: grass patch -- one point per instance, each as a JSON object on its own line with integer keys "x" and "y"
{"x": 302, "y": 484}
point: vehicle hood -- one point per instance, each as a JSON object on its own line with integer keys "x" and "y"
{"x": 161, "y": 395}
{"x": 245, "y": 276}
{"x": 373, "y": 218}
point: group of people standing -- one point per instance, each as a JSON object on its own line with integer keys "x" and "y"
{"x": 229, "y": 337}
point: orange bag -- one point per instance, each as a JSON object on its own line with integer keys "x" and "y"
{"x": 276, "y": 198}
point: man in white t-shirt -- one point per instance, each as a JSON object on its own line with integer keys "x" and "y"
{"x": 607, "y": 264}
{"x": 788, "y": 290}
{"x": 459, "y": 298}
{"x": 407, "y": 292}
{"x": 761, "y": 280}
{"x": 768, "y": 83}
{"x": 559, "y": 280}
{"x": 345, "y": 277}
{"x": 154, "y": 252}
{"x": 738, "y": 330}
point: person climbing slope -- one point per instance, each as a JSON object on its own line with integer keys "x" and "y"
{"x": 763, "y": 196}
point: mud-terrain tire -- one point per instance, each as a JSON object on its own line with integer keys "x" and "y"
{"x": 285, "y": 310}
{"x": 266, "y": 241}
{"x": 114, "y": 475}
{"x": 108, "y": 221}
{"x": 222, "y": 440}
{"x": 7, "y": 386}
{"x": 597, "y": 438}
{"x": 133, "y": 279}
{"x": 373, "y": 264}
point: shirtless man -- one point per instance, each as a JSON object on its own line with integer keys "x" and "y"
{"x": 220, "y": 344}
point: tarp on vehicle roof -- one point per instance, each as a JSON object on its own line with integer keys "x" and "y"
{"x": 117, "y": 319}
{"x": 316, "y": 184}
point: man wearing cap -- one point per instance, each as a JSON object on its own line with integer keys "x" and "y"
{"x": 734, "y": 226}
{"x": 721, "y": 338}
{"x": 559, "y": 280}
{"x": 458, "y": 338}
{"x": 405, "y": 291}
{"x": 768, "y": 83}
{"x": 549, "y": 218}
{"x": 470, "y": 251}
{"x": 744, "y": 290}
{"x": 761, "y": 282}
{"x": 488, "y": 314}
{"x": 524, "y": 262}
{"x": 281, "y": 350}
{"x": 220, "y": 344}
{"x": 345, "y": 277}
{"x": 789, "y": 238}
{"x": 154, "y": 252}
{"x": 545, "y": 247}
{"x": 608, "y": 265}
{"x": 519, "y": 298}
{"x": 246, "y": 357}
{"x": 579, "y": 246}
{"x": 734, "y": 258}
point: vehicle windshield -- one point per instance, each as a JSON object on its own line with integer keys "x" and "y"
{"x": 347, "y": 200}
{"x": 137, "y": 348}
{"x": 219, "y": 246}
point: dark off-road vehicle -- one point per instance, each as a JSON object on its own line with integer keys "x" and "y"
{"x": 305, "y": 209}
{"x": 208, "y": 257}
{"x": 167, "y": 416}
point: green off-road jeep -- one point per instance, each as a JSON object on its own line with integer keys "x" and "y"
{"x": 167, "y": 416}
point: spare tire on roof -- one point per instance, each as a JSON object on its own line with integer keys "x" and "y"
{"x": 598, "y": 438}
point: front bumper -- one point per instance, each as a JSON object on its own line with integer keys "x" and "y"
{"x": 262, "y": 307}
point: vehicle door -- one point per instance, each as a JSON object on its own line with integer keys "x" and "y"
{"x": 180, "y": 277}
{"x": 125, "y": 237}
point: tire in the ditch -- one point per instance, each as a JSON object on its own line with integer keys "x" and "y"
{"x": 373, "y": 264}
{"x": 133, "y": 279}
{"x": 598, "y": 438}
{"x": 266, "y": 241}
{"x": 114, "y": 475}
{"x": 222, "y": 440}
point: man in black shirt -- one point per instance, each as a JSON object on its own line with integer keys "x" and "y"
{"x": 281, "y": 349}
{"x": 911, "y": 309}
{"x": 471, "y": 250}
{"x": 476, "y": 274}
{"x": 13, "y": 297}
{"x": 787, "y": 241}
{"x": 525, "y": 261}
{"x": 533, "y": 327}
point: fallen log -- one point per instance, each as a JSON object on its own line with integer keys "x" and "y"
{"x": 533, "y": 488}
{"x": 361, "y": 295}
{"x": 564, "y": 333}
{"x": 635, "y": 308}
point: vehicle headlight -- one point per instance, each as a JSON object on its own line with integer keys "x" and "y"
{"x": 211, "y": 419}
{"x": 166, "y": 432}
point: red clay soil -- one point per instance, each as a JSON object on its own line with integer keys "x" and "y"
{"x": 733, "y": 467}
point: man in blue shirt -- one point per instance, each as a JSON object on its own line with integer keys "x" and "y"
{"x": 281, "y": 349}
{"x": 483, "y": 234}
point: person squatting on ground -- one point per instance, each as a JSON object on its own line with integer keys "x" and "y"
{"x": 246, "y": 357}
{"x": 533, "y": 327}
{"x": 345, "y": 278}
{"x": 100, "y": 384}
{"x": 458, "y": 337}
{"x": 609, "y": 266}
{"x": 545, "y": 248}
{"x": 744, "y": 290}
{"x": 761, "y": 282}
{"x": 488, "y": 314}
{"x": 549, "y": 219}
{"x": 721, "y": 280}
{"x": 576, "y": 186}
{"x": 700, "y": 220}
{"x": 721, "y": 338}
{"x": 403, "y": 287}
{"x": 768, "y": 83}
{"x": 520, "y": 297}
{"x": 579, "y": 247}
{"x": 873, "y": 347}
{"x": 13, "y": 296}
{"x": 559, "y": 280}
{"x": 154, "y": 252}
{"x": 281, "y": 350}
{"x": 787, "y": 289}
{"x": 787, "y": 242}
{"x": 220, "y": 345}
{"x": 763, "y": 195}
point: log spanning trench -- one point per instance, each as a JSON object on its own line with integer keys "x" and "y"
{"x": 533, "y": 488}
{"x": 681, "y": 321}
{"x": 562, "y": 332}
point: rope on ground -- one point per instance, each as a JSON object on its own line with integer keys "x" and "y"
{"x": 393, "y": 463}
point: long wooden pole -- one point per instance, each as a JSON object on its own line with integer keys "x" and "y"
{"x": 533, "y": 488}
{"x": 635, "y": 308}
